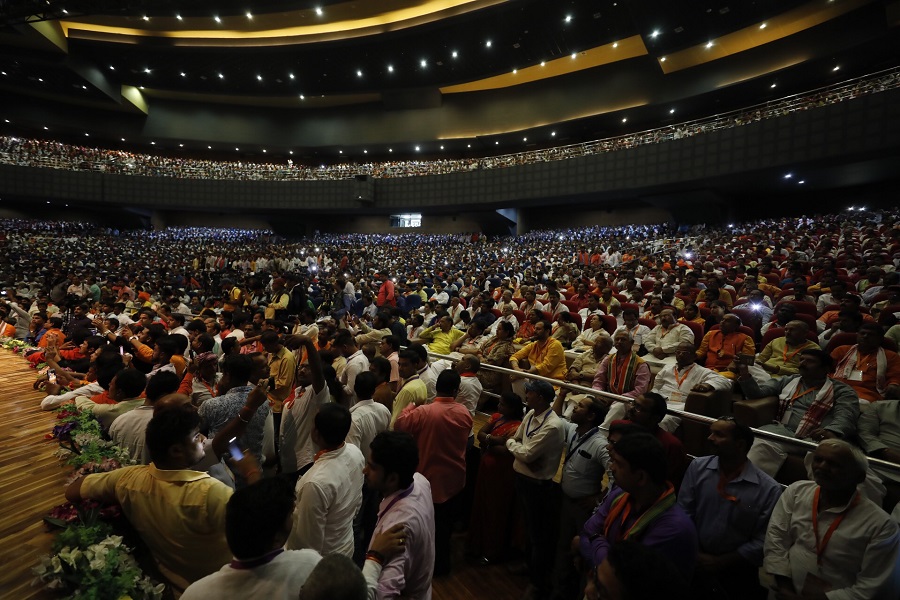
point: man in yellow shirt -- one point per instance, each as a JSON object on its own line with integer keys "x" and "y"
{"x": 544, "y": 356}
{"x": 781, "y": 356}
{"x": 441, "y": 336}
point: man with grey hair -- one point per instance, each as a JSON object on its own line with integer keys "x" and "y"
{"x": 826, "y": 537}
{"x": 663, "y": 340}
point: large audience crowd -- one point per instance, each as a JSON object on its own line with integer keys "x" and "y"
{"x": 289, "y": 400}
{"x": 57, "y": 155}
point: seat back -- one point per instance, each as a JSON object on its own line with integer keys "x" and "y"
{"x": 807, "y": 308}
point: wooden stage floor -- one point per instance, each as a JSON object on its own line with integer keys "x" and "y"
{"x": 32, "y": 482}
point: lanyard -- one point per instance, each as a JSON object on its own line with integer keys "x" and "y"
{"x": 528, "y": 433}
{"x": 683, "y": 377}
{"x": 799, "y": 393}
{"x": 820, "y": 546}
{"x": 786, "y": 357}
{"x": 397, "y": 499}
{"x": 570, "y": 450}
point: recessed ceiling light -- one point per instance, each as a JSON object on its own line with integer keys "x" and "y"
{"x": 221, "y": 76}
{"x": 140, "y": 87}
{"x": 237, "y": 149}
{"x": 836, "y": 68}
{"x": 65, "y": 12}
{"x": 802, "y": 181}
{"x": 552, "y": 134}
{"x": 152, "y": 143}
{"x": 45, "y": 128}
{"x": 340, "y": 151}
{"x": 181, "y": 145}
{"x": 488, "y": 43}
{"x": 217, "y": 19}
{"x": 574, "y": 55}
{"x": 468, "y": 145}
{"x": 123, "y": 139}
{"x": 788, "y": 175}
{"x": 319, "y": 11}
{"x": 524, "y": 139}
{"x": 41, "y": 79}
{"x": 302, "y": 97}
{"x": 112, "y": 68}
{"x": 773, "y": 86}
{"x": 365, "y": 151}
{"x": 183, "y": 74}
{"x": 249, "y": 15}
{"x": 259, "y": 77}
{"x": 177, "y": 16}
{"x": 146, "y": 18}
{"x": 625, "y": 119}
{"x": 662, "y": 59}
{"x": 454, "y": 54}
{"x": 655, "y": 33}
{"x": 762, "y": 25}
{"x": 6, "y": 120}
{"x": 146, "y": 70}
{"x": 358, "y": 73}
{"x": 390, "y": 69}
{"x": 615, "y": 44}
{"x": 87, "y": 135}
{"x": 543, "y": 63}
{"x": 497, "y": 143}
{"x": 442, "y": 147}
{"x": 417, "y": 148}
{"x": 709, "y": 45}
{"x": 515, "y": 71}
{"x": 209, "y": 147}
{"x": 291, "y": 152}
{"x": 423, "y": 63}
{"x": 671, "y": 111}
{"x": 390, "y": 149}
{"x": 84, "y": 87}
{"x": 291, "y": 75}
{"x": 568, "y": 18}
{"x": 3, "y": 73}
{"x": 264, "y": 150}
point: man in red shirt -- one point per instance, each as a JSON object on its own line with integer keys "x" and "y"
{"x": 386, "y": 292}
{"x": 441, "y": 430}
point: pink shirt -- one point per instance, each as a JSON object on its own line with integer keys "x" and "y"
{"x": 441, "y": 430}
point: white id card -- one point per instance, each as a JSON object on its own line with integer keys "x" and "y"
{"x": 856, "y": 375}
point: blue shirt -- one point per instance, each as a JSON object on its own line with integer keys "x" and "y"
{"x": 217, "y": 412}
{"x": 724, "y": 525}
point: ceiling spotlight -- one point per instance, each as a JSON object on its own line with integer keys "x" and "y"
{"x": 552, "y": 134}
{"x": 358, "y": 73}
{"x": 302, "y": 97}
{"x": 152, "y": 143}
{"x": 524, "y": 139}
{"x": 390, "y": 149}
{"x": 84, "y": 87}
{"x": 319, "y": 11}
{"x": 237, "y": 149}
{"x": 802, "y": 181}
{"x": 41, "y": 79}
{"x": 468, "y": 145}
{"x": 6, "y": 120}
{"x": 515, "y": 71}
{"x": 65, "y": 12}
{"x": 365, "y": 151}
{"x": 217, "y": 19}
{"x": 3, "y": 73}
{"x": 340, "y": 151}
{"x": 390, "y": 69}
{"x": 671, "y": 111}
{"x": 709, "y": 45}
{"x": 46, "y": 128}
{"x": 183, "y": 74}
{"x": 112, "y": 68}
{"x": 442, "y": 147}
{"x": 87, "y": 135}
{"x": 423, "y": 63}
{"x": 417, "y": 148}
{"x": 264, "y": 150}
{"x": 836, "y": 68}
{"x": 625, "y": 120}
{"x": 291, "y": 152}
{"x": 146, "y": 18}
{"x": 249, "y": 15}
{"x": 773, "y": 86}
{"x": 543, "y": 63}
{"x": 488, "y": 43}
{"x": 574, "y": 55}
{"x": 788, "y": 175}
{"x": 615, "y": 44}
{"x": 454, "y": 54}
{"x": 568, "y": 18}
{"x": 655, "y": 33}
{"x": 291, "y": 75}
{"x": 181, "y": 145}
{"x": 762, "y": 25}
{"x": 123, "y": 139}
{"x": 221, "y": 76}
{"x": 662, "y": 59}
{"x": 209, "y": 147}
{"x": 140, "y": 87}
{"x": 496, "y": 143}
{"x": 146, "y": 70}
{"x": 177, "y": 16}
{"x": 259, "y": 77}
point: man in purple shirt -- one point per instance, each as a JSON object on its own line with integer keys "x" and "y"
{"x": 391, "y": 471}
{"x": 641, "y": 507}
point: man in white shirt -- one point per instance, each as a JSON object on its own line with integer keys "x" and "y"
{"x": 330, "y": 493}
{"x": 440, "y": 296}
{"x": 639, "y": 333}
{"x": 593, "y": 308}
{"x": 664, "y": 339}
{"x": 675, "y": 382}
{"x": 297, "y": 449}
{"x": 128, "y": 430}
{"x": 356, "y": 362}
{"x": 455, "y": 309}
{"x": 824, "y": 536}
{"x": 470, "y": 387}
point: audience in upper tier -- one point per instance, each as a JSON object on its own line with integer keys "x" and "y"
{"x": 312, "y": 355}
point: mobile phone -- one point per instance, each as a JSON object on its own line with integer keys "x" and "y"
{"x": 121, "y": 350}
{"x": 51, "y": 376}
{"x": 271, "y": 383}
{"x": 234, "y": 450}
{"x": 745, "y": 359}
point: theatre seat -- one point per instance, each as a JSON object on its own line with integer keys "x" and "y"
{"x": 759, "y": 412}
{"x": 717, "y": 403}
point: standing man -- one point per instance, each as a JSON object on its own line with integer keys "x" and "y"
{"x": 282, "y": 366}
{"x": 412, "y": 389}
{"x": 441, "y": 430}
{"x": 356, "y": 363}
{"x": 330, "y": 493}
{"x": 536, "y": 448}
{"x": 297, "y": 448}
{"x": 730, "y": 502}
{"x": 826, "y": 537}
{"x": 391, "y": 472}
{"x": 386, "y": 292}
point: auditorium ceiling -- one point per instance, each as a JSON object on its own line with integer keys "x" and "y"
{"x": 330, "y": 80}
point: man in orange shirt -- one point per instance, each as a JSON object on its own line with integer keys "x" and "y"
{"x": 52, "y": 329}
{"x": 545, "y": 356}
{"x": 872, "y": 371}
{"x": 721, "y": 346}
{"x": 848, "y": 302}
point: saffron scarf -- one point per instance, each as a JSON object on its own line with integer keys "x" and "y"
{"x": 620, "y": 383}
{"x": 621, "y": 506}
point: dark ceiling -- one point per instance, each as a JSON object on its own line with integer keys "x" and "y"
{"x": 77, "y": 91}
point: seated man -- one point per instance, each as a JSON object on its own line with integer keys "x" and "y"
{"x": 544, "y": 356}
{"x": 853, "y": 553}
{"x": 781, "y": 356}
{"x": 872, "y": 371}
{"x": 784, "y": 314}
{"x": 730, "y": 502}
{"x": 640, "y": 507}
{"x": 623, "y": 373}
{"x": 811, "y": 406}
{"x": 440, "y": 336}
{"x": 721, "y": 346}
{"x": 675, "y": 382}
{"x": 848, "y": 302}
{"x": 663, "y": 340}
{"x": 879, "y": 434}
{"x": 124, "y": 391}
{"x": 129, "y": 430}
{"x": 639, "y": 333}
{"x": 848, "y": 321}
{"x": 582, "y": 372}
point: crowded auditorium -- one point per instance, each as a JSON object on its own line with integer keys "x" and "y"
{"x": 450, "y": 299}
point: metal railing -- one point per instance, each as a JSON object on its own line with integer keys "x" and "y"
{"x": 759, "y": 433}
